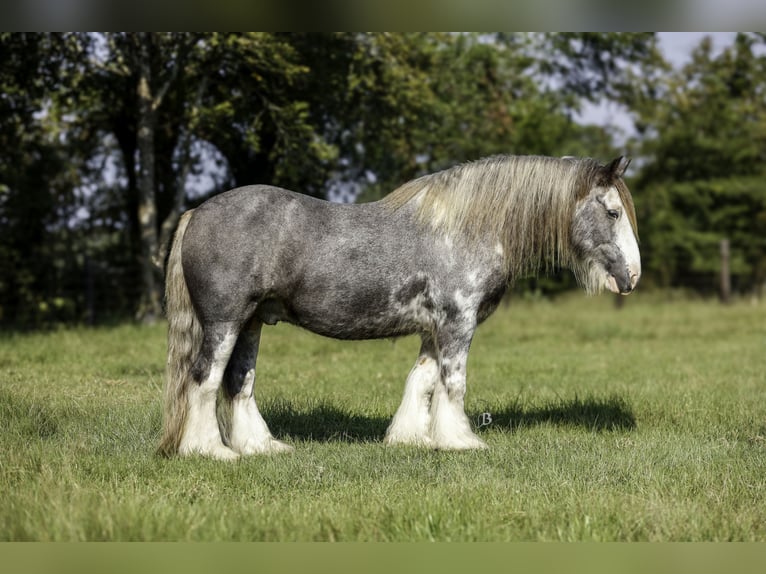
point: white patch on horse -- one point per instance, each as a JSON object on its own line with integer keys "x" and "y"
{"x": 417, "y": 306}
{"x": 625, "y": 239}
{"x": 467, "y": 304}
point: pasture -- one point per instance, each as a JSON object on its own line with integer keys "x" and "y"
{"x": 644, "y": 423}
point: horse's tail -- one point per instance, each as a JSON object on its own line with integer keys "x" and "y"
{"x": 184, "y": 341}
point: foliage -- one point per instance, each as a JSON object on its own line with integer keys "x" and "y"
{"x": 642, "y": 425}
{"x": 39, "y": 172}
{"x": 107, "y": 138}
{"x": 705, "y": 174}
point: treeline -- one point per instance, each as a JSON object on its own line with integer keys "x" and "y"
{"x": 105, "y": 139}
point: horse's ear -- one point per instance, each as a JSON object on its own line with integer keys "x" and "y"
{"x": 618, "y": 166}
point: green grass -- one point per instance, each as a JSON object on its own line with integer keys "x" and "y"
{"x": 647, "y": 423}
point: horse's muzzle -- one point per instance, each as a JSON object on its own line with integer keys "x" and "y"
{"x": 624, "y": 283}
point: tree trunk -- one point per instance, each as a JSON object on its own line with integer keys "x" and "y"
{"x": 185, "y": 142}
{"x": 150, "y": 306}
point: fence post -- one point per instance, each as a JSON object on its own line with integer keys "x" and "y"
{"x": 725, "y": 271}
{"x": 90, "y": 307}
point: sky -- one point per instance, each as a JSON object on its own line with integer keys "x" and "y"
{"x": 677, "y": 48}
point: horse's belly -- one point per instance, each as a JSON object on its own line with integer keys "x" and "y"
{"x": 348, "y": 315}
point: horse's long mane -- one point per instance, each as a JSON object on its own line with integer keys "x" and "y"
{"x": 524, "y": 203}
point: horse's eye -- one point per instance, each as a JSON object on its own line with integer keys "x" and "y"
{"x": 613, "y": 213}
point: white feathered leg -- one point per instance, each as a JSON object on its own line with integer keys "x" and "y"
{"x": 450, "y": 428}
{"x": 249, "y": 433}
{"x": 201, "y": 434}
{"x": 411, "y": 422}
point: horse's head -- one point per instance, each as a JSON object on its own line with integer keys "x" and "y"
{"x": 604, "y": 236}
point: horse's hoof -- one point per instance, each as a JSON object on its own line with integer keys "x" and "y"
{"x": 466, "y": 443}
{"x": 277, "y": 446}
{"x": 410, "y": 440}
{"x": 217, "y": 452}
{"x": 269, "y": 446}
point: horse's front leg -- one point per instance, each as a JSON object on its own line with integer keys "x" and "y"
{"x": 450, "y": 428}
{"x": 411, "y": 422}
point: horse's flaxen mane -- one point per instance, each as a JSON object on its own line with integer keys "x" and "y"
{"x": 525, "y": 203}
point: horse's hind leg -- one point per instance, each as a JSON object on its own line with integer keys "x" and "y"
{"x": 201, "y": 434}
{"x": 248, "y": 433}
{"x": 411, "y": 421}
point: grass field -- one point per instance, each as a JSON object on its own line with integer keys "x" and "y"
{"x": 645, "y": 423}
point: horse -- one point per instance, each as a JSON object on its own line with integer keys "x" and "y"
{"x": 433, "y": 258}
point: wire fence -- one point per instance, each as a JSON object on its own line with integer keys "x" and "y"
{"x": 92, "y": 294}
{"x": 98, "y": 292}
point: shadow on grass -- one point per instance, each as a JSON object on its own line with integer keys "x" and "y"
{"x": 324, "y": 422}
{"x": 593, "y": 414}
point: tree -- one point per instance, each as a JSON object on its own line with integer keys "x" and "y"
{"x": 157, "y": 95}
{"x": 421, "y": 102}
{"x": 39, "y": 172}
{"x": 112, "y": 128}
{"x": 704, "y": 175}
